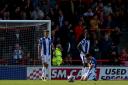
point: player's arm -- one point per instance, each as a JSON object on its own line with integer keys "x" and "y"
{"x": 39, "y": 49}
{"x": 88, "y": 47}
{"x": 90, "y": 65}
{"x": 79, "y": 47}
{"x": 51, "y": 47}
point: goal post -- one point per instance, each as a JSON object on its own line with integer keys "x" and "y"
{"x": 23, "y": 35}
{"x": 21, "y": 23}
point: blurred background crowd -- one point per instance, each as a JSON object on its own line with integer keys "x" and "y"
{"x": 105, "y": 21}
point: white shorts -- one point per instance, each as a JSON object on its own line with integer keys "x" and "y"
{"x": 46, "y": 58}
{"x": 85, "y": 71}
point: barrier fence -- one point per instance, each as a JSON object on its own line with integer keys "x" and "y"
{"x": 60, "y": 73}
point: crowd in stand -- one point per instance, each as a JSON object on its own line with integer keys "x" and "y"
{"x": 102, "y": 19}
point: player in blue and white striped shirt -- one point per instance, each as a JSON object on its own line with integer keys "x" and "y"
{"x": 84, "y": 47}
{"x": 44, "y": 52}
{"x": 89, "y": 72}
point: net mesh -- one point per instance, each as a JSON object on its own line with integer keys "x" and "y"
{"x": 21, "y": 35}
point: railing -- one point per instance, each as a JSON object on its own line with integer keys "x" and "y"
{"x": 38, "y": 62}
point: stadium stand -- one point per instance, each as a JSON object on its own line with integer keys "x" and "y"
{"x": 103, "y": 19}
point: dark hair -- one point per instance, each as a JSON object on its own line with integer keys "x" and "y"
{"x": 88, "y": 55}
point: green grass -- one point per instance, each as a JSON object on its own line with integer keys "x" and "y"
{"x": 60, "y": 82}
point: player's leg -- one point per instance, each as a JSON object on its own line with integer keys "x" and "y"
{"x": 47, "y": 64}
{"x": 48, "y": 68}
{"x": 83, "y": 77}
{"x": 92, "y": 75}
{"x": 82, "y": 71}
{"x": 86, "y": 73}
{"x": 82, "y": 57}
{"x": 43, "y": 77}
{"x": 85, "y": 69}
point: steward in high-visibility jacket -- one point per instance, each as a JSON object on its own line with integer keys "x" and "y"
{"x": 57, "y": 56}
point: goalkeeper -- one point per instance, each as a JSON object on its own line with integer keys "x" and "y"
{"x": 57, "y": 56}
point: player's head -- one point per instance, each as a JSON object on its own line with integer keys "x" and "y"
{"x": 85, "y": 33}
{"x": 45, "y": 33}
{"x": 89, "y": 56}
{"x": 59, "y": 46}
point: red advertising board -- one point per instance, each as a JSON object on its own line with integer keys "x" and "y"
{"x": 62, "y": 73}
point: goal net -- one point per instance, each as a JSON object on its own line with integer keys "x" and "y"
{"x": 23, "y": 35}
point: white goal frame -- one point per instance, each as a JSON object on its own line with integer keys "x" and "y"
{"x": 29, "y": 21}
{"x": 4, "y": 25}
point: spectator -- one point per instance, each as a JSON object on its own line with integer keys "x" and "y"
{"x": 44, "y": 6}
{"x": 95, "y": 49}
{"x": 108, "y": 9}
{"x": 78, "y": 30}
{"x": 105, "y": 46}
{"x": 88, "y": 13}
{"x": 80, "y": 7}
{"x": 109, "y": 23}
{"x": 114, "y": 48}
{"x": 67, "y": 53}
{"x": 27, "y": 60}
{"x": 34, "y": 15}
{"x": 115, "y": 35}
{"x": 95, "y": 26}
{"x": 114, "y": 59}
{"x": 28, "y": 8}
{"x": 61, "y": 18}
{"x": 17, "y": 13}
{"x": 53, "y": 16}
{"x": 5, "y": 8}
{"x": 83, "y": 21}
{"x": 37, "y": 14}
{"x": 35, "y": 3}
{"x": 17, "y": 54}
{"x": 123, "y": 56}
{"x": 57, "y": 56}
{"x": 99, "y": 11}
{"x": 65, "y": 32}
{"x": 56, "y": 35}
{"x": 6, "y": 15}
{"x": 94, "y": 23}
{"x": 23, "y": 15}
{"x": 114, "y": 55}
{"x": 117, "y": 18}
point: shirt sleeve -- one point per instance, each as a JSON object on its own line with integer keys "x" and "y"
{"x": 88, "y": 47}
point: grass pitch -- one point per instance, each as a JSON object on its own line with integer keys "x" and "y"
{"x": 60, "y": 82}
